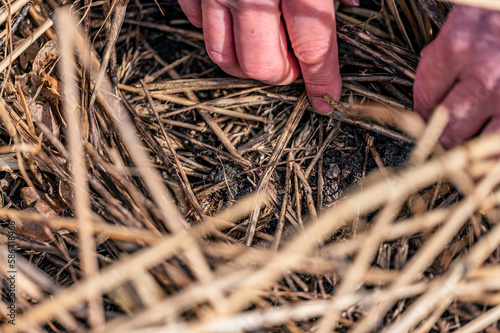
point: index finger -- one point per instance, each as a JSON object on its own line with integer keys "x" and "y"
{"x": 312, "y": 31}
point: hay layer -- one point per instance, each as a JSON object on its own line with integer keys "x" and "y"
{"x": 143, "y": 190}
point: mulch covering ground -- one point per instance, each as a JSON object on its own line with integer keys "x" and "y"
{"x": 144, "y": 190}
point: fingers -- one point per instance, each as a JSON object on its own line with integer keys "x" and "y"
{"x": 192, "y": 9}
{"x": 435, "y": 77}
{"x": 219, "y": 37}
{"x": 440, "y": 65}
{"x": 468, "y": 112}
{"x": 312, "y": 31}
{"x": 261, "y": 44}
{"x": 247, "y": 39}
{"x": 460, "y": 70}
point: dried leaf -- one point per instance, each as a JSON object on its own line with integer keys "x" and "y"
{"x": 36, "y": 199}
{"x": 40, "y": 73}
{"x": 8, "y": 162}
{"x": 23, "y": 81}
{"x": 66, "y": 193}
{"x": 45, "y": 57}
{"x": 52, "y": 86}
{"x": 32, "y": 230}
{"x": 41, "y": 112}
{"x": 29, "y": 55}
{"x": 29, "y": 195}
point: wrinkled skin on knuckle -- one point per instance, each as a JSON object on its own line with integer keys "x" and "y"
{"x": 321, "y": 82}
{"x": 312, "y": 52}
{"x": 260, "y": 72}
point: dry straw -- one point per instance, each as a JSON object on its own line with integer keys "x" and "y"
{"x": 135, "y": 220}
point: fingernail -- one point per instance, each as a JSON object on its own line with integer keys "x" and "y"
{"x": 320, "y": 106}
{"x": 355, "y": 2}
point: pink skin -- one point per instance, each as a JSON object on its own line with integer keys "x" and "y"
{"x": 248, "y": 39}
{"x": 461, "y": 70}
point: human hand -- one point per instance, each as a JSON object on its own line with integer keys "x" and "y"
{"x": 248, "y": 39}
{"x": 461, "y": 70}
